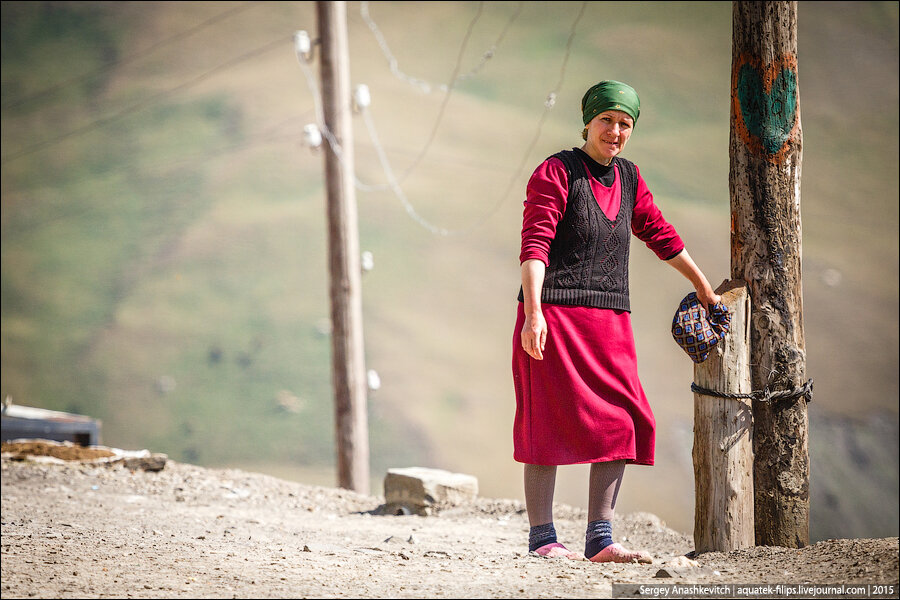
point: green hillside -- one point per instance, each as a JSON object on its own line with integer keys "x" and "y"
{"x": 163, "y": 226}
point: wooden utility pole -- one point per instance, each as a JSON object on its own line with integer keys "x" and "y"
{"x": 723, "y": 435}
{"x": 348, "y": 362}
{"x": 766, "y": 152}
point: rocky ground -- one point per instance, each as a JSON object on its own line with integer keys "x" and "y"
{"x": 82, "y": 529}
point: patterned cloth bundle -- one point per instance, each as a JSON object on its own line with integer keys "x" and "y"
{"x": 698, "y": 331}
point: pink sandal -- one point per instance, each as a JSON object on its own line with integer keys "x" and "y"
{"x": 616, "y": 553}
{"x": 557, "y": 550}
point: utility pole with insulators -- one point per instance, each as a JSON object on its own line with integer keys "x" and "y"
{"x": 764, "y": 178}
{"x": 348, "y": 361}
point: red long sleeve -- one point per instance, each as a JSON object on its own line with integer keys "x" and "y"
{"x": 545, "y": 204}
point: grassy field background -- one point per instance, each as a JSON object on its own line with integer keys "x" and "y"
{"x": 163, "y": 229}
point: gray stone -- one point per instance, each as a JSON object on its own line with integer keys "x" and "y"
{"x": 151, "y": 462}
{"x": 664, "y": 573}
{"x": 423, "y": 491}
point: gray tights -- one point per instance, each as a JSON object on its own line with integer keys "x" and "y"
{"x": 540, "y": 483}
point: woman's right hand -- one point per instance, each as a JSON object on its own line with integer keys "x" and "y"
{"x": 534, "y": 335}
{"x": 534, "y": 332}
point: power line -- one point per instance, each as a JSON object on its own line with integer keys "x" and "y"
{"x": 454, "y": 79}
{"x": 338, "y": 150}
{"x": 421, "y": 84}
{"x": 392, "y": 60}
{"x": 149, "y": 100}
{"x": 489, "y": 53}
{"x": 446, "y": 100}
{"x": 394, "y": 184}
{"x": 129, "y": 59}
{"x": 548, "y": 106}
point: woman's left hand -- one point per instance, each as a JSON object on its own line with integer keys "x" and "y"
{"x": 707, "y": 297}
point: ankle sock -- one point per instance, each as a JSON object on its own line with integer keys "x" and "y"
{"x": 541, "y": 535}
{"x": 597, "y": 537}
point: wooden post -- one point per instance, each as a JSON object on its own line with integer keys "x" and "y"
{"x": 348, "y": 363}
{"x": 723, "y": 436}
{"x": 766, "y": 152}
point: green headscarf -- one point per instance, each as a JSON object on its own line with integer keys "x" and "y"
{"x": 610, "y": 95}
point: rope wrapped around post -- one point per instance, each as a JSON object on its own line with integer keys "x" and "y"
{"x": 764, "y": 395}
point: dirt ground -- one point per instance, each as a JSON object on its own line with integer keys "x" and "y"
{"x": 82, "y": 529}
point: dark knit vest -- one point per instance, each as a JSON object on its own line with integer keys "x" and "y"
{"x": 588, "y": 262}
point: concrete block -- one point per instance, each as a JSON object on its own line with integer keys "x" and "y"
{"x": 423, "y": 491}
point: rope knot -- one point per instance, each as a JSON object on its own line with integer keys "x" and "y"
{"x": 764, "y": 395}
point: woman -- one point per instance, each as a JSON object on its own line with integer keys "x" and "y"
{"x": 578, "y": 396}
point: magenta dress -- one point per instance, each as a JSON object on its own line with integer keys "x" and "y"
{"x": 583, "y": 403}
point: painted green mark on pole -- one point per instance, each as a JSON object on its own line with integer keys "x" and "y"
{"x": 765, "y": 105}
{"x": 769, "y": 115}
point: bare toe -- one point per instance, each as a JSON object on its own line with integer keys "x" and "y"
{"x": 617, "y": 553}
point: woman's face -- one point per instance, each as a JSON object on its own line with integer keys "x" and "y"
{"x": 607, "y": 135}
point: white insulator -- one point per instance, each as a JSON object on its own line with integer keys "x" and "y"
{"x": 302, "y": 44}
{"x": 367, "y": 261}
{"x": 361, "y": 97}
{"x": 374, "y": 379}
{"x": 312, "y": 137}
